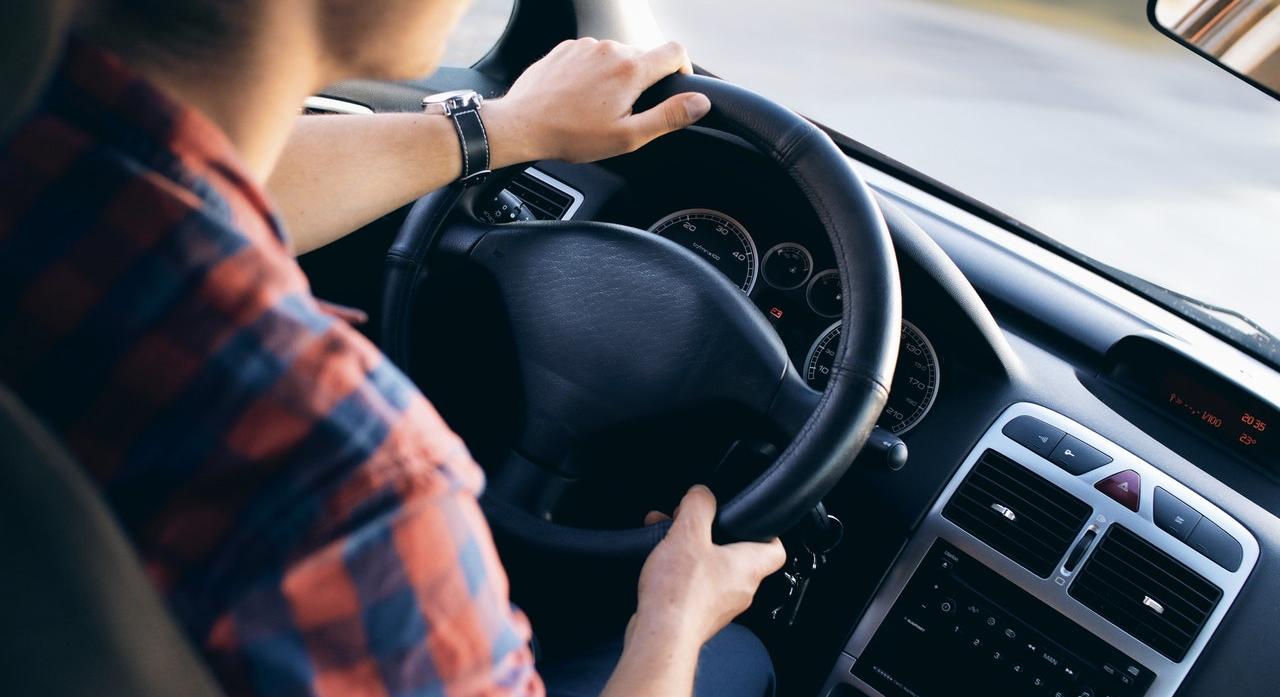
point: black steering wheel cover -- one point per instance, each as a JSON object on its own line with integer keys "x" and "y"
{"x": 405, "y": 264}
{"x": 872, "y": 304}
{"x": 829, "y": 442}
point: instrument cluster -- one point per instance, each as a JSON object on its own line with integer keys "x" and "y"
{"x": 800, "y": 298}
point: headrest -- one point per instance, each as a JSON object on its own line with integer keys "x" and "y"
{"x": 31, "y": 38}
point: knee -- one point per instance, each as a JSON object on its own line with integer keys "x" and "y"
{"x": 735, "y": 662}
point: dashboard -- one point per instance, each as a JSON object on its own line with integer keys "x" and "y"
{"x": 994, "y": 589}
{"x": 1177, "y": 476}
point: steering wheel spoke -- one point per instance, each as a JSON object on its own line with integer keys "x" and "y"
{"x": 528, "y": 486}
{"x": 793, "y": 404}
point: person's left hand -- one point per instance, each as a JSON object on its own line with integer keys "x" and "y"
{"x": 575, "y": 103}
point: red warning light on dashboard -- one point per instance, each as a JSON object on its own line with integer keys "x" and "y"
{"x": 776, "y": 312}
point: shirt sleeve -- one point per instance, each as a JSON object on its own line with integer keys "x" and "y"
{"x": 413, "y": 600}
{"x": 378, "y": 575}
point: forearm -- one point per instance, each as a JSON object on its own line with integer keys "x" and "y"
{"x": 655, "y": 662}
{"x": 338, "y": 173}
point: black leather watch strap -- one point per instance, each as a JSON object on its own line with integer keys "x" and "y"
{"x": 475, "y": 145}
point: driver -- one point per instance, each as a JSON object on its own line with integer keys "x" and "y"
{"x": 309, "y": 517}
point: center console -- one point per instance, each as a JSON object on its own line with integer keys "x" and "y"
{"x": 1054, "y": 563}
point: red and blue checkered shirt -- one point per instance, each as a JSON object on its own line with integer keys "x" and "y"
{"x": 309, "y": 517}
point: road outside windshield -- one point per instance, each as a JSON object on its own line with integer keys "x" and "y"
{"x": 1073, "y": 116}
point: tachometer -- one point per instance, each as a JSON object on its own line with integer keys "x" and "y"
{"x": 915, "y": 380}
{"x": 717, "y": 238}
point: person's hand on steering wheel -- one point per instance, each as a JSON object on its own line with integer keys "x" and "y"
{"x": 690, "y": 588}
{"x": 575, "y": 103}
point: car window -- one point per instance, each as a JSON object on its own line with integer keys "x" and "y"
{"x": 1077, "y": 118}
{"x": 478, "y": 31}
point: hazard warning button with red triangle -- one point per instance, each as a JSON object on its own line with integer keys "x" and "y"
{"x": 1125, "y": 487}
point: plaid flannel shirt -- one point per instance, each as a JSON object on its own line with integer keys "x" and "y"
{"x": 309, "y": 517}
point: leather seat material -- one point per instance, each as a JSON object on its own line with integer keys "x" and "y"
{"x": 81, "y": 617}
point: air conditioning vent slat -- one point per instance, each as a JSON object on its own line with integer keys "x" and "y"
{"x": 1044, "y": 520}
{"x": 1135, "y": 559}
{"x": 1123, "y": 570}
{"x": 983, "y": 529}
{"x": 1017, "y": 512}
{"x": 1045, "y": 495}
{"x": 1147, "y": 593}
{"x": 545, "y": 200}
{"x": 980, "y": 500}
{"x": 1115, "y": 584}
{"x": 1152, "y": 634}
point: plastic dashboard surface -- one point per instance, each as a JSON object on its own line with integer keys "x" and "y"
{"x": 939, "y": 532}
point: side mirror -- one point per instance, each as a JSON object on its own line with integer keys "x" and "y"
{"x": 1240, "y": 36}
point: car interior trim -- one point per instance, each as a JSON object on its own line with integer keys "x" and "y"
{"x": 331, "y": 105}
{"x": 562, "y": 187}
{"x": 1054, "y": 591}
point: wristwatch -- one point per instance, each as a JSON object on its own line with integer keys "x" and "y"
{"x": 463, "y": 106}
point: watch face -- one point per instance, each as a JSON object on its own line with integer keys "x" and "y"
{"x": 449, "y": 102}
{"x": 442, "y": 97}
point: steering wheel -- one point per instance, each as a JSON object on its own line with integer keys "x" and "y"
{"x": 600, "y": 344}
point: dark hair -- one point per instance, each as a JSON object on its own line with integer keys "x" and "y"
{"x": 189, "y": 29}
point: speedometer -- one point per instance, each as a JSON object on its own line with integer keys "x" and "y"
{"x": 717, "y": 238}
{"x": 915, "y": 379}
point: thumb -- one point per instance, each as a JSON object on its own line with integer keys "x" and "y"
{"x": 672, "y": 114}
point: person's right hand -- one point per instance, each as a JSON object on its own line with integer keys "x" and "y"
{"x": 575, "y": 103}
{"x": 690, "y": 587}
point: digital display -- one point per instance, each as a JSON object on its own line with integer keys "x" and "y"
{"x": 1207, "y": 403}
{"x": 1247, "y": 428}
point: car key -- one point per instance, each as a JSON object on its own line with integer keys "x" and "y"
{"x": 824, "y": 534}
{"x": 799, "y": 573}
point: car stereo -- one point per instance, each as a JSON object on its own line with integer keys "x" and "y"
{"x": 1054, "y": 563}
{"x": 985, "y": 634}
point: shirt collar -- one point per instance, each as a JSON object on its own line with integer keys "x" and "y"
{"x": 102, "y": 95}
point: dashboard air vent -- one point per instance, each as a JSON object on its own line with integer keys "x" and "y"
{"x": 329, "y": 105}
{"x": 1146, "y": 592}
{"x": 1016, "y": 511}
{"x": 546, "y": 198}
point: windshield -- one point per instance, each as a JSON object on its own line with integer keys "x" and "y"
{"x": 1077, "y": 118}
